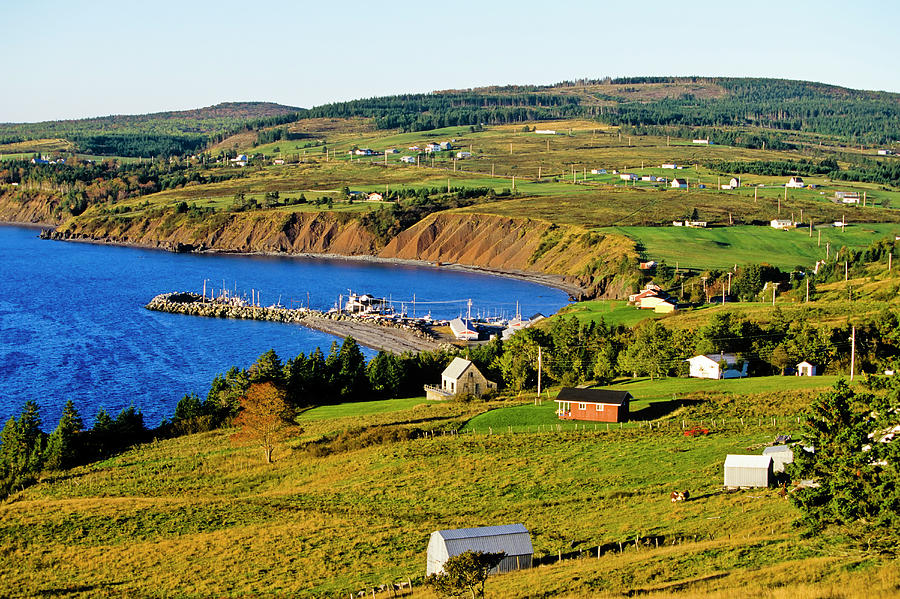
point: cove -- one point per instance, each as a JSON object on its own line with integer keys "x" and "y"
{"x": 73, "y": 326}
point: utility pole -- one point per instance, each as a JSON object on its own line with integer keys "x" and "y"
{"x": 540, "y": 366}
{"x": 846, "y": 270}
{"x": 807, "y": 289}
{"x": 819, "y": 244}
{"x": 774, "y": 288}
{"x": 852, "y": 352}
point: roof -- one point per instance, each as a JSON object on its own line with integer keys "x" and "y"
{"x": 456, "y": 368}
{"x": 804, "y": 363}
{"x": 776, "y": 449}
{"x": 729, "y": 358}
{"x": 747, "y": 461}
{"x": 513, "y": 539}
{"x": 604, "y": 396}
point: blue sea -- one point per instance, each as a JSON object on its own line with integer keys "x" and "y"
{"x": 73, "y": 325}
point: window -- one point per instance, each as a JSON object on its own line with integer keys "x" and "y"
{"x": 599, "y": 407}
{"x": 582, "y": 406}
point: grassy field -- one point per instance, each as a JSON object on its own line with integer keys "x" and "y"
{"x": 198, "y": 516}
{"x": 664, "y": 400}
{"x": 613, "y": 312}
{"x": 722, "y": 247}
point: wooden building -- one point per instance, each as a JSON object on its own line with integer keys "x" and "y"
{"x": 511, "y": 539}
{"x": 594, "y": 405}
{"x": 461, "y": 377}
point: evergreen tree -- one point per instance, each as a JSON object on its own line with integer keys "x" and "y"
{"x": 852, "y": 458}
{"x": 21, "y": 449}
{"x": 63, "y": 448}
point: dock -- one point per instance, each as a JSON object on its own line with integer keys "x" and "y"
{"x": 378, "y": 334}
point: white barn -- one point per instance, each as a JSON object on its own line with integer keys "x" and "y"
{"x": 708, "y": 366}
{"x": 512, "y": 539}
{"x": 748, "y": 470}
{"x": 463, "y": 330}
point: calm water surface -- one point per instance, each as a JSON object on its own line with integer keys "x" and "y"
{"x": 73, "y": 326}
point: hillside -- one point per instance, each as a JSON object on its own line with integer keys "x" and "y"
{"x": 349, "y": 504}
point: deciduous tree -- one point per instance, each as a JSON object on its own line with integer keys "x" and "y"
{"x": 262, "y": 419}
{"x": 466, "y": 572}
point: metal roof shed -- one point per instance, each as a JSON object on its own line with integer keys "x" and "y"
{"x": 781, "y": 455}
{"x": 748, "y": 470}
{"x": 512, "y": 539}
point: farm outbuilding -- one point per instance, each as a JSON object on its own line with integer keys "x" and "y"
{"x": 512, "y": 539}
{"x": 595, "y": 405}
{"x": 748, "y": 470}
{"x": 781, "y": 455}
{"x": 806, "y": 369}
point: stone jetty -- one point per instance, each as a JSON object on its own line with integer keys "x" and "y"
{"x": 379, "y": 334}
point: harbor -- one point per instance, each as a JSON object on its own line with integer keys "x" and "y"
{"x": 373, "y": 322}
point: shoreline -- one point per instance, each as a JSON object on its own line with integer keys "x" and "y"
{"x": 377, "y": 335}
{"x": 574, "y": 291}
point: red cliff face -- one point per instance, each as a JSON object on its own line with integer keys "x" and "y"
{"x": 580, "y": 258}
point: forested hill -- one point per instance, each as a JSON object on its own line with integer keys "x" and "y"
{"x": 649, "y": 104}
{"x": 733, "y": 111}
{"x": 155, "y": 134}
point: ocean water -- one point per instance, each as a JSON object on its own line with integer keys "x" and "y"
{"x": 73, "y": 325}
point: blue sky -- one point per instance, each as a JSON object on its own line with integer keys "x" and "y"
{"x": 71, "y": 59}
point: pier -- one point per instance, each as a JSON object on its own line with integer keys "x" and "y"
{"x": 379, "y": 334}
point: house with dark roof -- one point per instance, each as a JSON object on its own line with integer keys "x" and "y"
{"x": 595, "y": 405}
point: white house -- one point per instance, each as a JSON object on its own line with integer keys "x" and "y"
{"x": 666, "y": 306}
{"x": 433, "y": 148}
{"x": 240, "y": 160}
{"x": 627, "y": 177}
{"x": 806, "y": 369}
{"x": 391, "y": 151}
{"x": 671, "y": 165}
{"x": 408, "y": 159}
{"x": 463, "y": 155}
{"x": 885, "y": 152}
{"x": 363, "y": 152}
{"x": 598, "y": 171}
{"x": 648, "y": 178}
{"x": 678, "y": 184}
{"x": 735, "y": 182}
{"x": 545, "y": 131}
{"x": 795, "y": 182}
{"x": 782, "y": 223}
{"x": 702, "y": 142}
{"x": 446, "y": 145}
{"x": 650, "y": 302}
{"x": 709, "y": 366}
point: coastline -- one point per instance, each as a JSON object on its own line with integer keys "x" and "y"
{"x": 574, "y": 291}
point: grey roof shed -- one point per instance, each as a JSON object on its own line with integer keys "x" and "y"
{"x": 781, "y": 455}
{"x": 748, "y": 470}
{"x": 512, "y": 539}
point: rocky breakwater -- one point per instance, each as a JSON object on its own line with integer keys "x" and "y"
{"x": 379, "y": 334}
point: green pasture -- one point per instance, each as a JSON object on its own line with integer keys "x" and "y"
{"x": 613, "y": 312}
{"x": 361, "y": 408}
{"x": 721, "y": 247}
